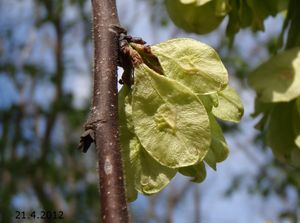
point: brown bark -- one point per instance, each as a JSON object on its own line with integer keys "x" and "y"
{"x": 104, "y": 114}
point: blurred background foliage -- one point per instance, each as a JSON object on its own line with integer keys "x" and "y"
{"x": 45, "y": 86}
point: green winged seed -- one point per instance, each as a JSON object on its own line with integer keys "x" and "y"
{"x": 193, "y": 64}
{"x": 218, "y": 149}
{"x": 142, "y": 172}
{"x": 209, "y": 101}
{"x": 210, "y": 159}
{"x": 197, "y": 171}
{"x": 150, "y": 177}
{"x": 169, "y": 120}
{"x": 126, "y": 135}
{"x": 230, "y": 106}
{"x": 278, "y": 79}
{"x": 218, "y": 144}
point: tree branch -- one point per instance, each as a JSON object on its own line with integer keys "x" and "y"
{"x": 104, "y": 115}
{"x": 59, "y": 76}
{"x": 175, "y": 197}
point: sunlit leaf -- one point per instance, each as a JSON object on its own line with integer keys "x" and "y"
{"x": 198, "y": 2}
{"x": 169, "y": 120}
{"x": 188, "y": 1}
{"x": 222, "y": 7}
{"x": 192, "y": 63}
{"x": 278, "y": 79}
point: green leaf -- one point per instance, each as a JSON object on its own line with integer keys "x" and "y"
{"x": 245, "y": 14}
{"x": 230, "y": 106}
{"x": 297, "y": 139}
{"x": 218, "y": 149}
{"x": 295, "y": 157}
{"x": 196, "y": 171}
{"x": 193, "y": 17}
{"x": 222, "y": 7}
{"x": 280, "y": 132}
{"x": 169, "y": 120}
{"x": 251, "y": 13}
{"x": 264, "y": 109}
{"x": 298, "y": 104}
{"x": 278, "y": 79}
{"x": 262, "y": 9}
{"x": 296, "y": 123}
{"x": 261, "y": 107}
{"x": 151, "y": 177}
{"x": 192, "y": 63}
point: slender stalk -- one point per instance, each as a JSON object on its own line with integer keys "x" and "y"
{"x": 104, "y": 113}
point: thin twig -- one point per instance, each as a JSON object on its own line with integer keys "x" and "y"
{"x": 104, "y": 114}
{"x": 59, "y": 75}
{"x": 175, "y": 197}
